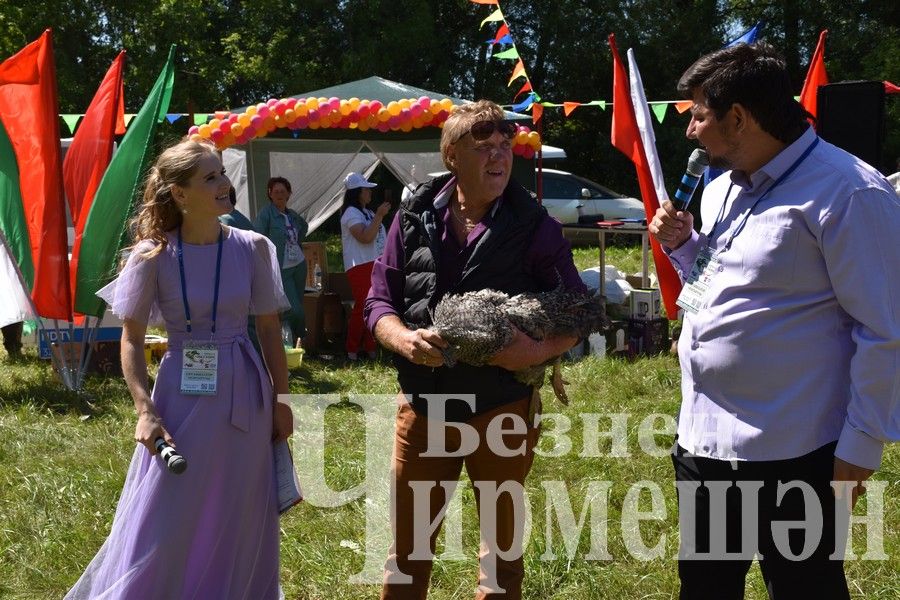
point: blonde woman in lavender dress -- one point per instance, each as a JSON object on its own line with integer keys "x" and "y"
{"x": 211, "y": 532}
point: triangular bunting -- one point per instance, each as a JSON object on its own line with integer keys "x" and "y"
{"x": 172, "y": 117}
{"x": 683, "y": 105}
{"x": 200, "y": 119}
{"x": 568, "y": 107}
{"x": 659, "y": 110}
{"x": 524, "y": 104}
{"x": 524, "y": 88}
{"x": 127, "y": 119}
{"x": 71, "y": 121}
{"x": 519, "y": 71}
{"x": 502, "y": 33}
{"x": 497, "y": 15}
{"x": 537, "y": 111}
{"x": 483, "y": 1}
{"x": 510, "y": 54}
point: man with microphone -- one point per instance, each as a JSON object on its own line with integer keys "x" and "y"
{"x": 791, "y": 339}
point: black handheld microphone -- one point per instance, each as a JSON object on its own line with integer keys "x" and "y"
{"x": 174, "y": 461}
{"x": 697, "y": 163}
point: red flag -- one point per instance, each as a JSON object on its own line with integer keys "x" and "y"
{"x": 890, "y": 88}
{"x": 92, "y": 145}
{"x": 815, "y": 76}
{"x": 30, "y": 115}
{"x": 89, "y": 154}
{"x": 502, "y": 31}
{"x": 626, "y": 137}
{"x": 120, "y": 113}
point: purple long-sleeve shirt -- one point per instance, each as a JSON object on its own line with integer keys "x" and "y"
{"x": 799, "y": 344}
{"x": 548, "y": 255}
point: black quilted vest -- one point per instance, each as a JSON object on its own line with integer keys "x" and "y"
{"x": 497, "y": 262}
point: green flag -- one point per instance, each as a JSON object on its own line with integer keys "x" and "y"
{"x": 106, "y": 223}
{"x": 12, "y": 211}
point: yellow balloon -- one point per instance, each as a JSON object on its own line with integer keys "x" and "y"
{"x": 214, "y": 124}
{"x": 345, "y": 108}
{"x": 237, "y": 129}
{"x": 251, "y": 110}
{"x": 435, "y": 107}
{"x": 354, "y": 103}
{"x": 290, "y": 116}
{"x": 204, "y": 131}
{"x": 404, "y": 103}
{"x": 521, "y": 138}
{"x": 447, "y": 104}
{"x": 301, "y": 110}
{"x": 534, "y": 139}
{"x": 383, "y": 115}
{"x": 196, "y": 137}
{"x": 244, "y": 120}
{"x": 407, "y": 127}
{"x": 363, "y": 125}
{"x": 393, "y": 108}
{"x": 312, "y": 103}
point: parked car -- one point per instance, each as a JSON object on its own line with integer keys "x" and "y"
{"x": 568, "y": 197}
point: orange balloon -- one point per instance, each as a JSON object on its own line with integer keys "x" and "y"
{"x": 447, "y": 104}
{"x": 393, "y": 108}
{"x": 237, "y": 129}
{"x": 204, "y": 131}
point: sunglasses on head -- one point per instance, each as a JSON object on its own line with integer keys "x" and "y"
{"x": 482, "y": 130}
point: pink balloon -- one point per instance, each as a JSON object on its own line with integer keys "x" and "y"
{"x": 271, "y": 102}
{"x": 383, "y": 127}
{"x": 394, "y": 122}
{"x": 424, "y": 102}
{"x": 194, "y": 129}
{"x": 216, "y": 135}
{"x": 363, "y": 111}
{"x": 405, "y": 115}
{"x": 375, "y": 106}
{"x": 313, "y": 115}
{"x": 302, "y": 122}
{"x": 225, "y": 127}
{"x": 528, "y": 153}
{"x": 416, "y": 109}
{"x": 280, "y": 107}
{"x": 344, "y": 123}
{"x": 256, "y": 121}
{"x": 335, "y": 103}
{"x": 263, "y": 110}
{"x": 353, "y": 116}
{"x": 441, "y": 116}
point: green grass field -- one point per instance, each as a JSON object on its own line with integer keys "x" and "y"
{"x": 61, "y": 473}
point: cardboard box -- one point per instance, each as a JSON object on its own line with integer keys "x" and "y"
{"x": 648, "y": 336}
{"x": 645, "y": 304}
{"x": 325, "y": 322}
{"x": 315, "y": 254}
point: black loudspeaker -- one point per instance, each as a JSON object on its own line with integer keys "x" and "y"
{"x": 851, "y": 116}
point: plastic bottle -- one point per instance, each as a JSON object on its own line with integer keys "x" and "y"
{"x": 317, "y": 277}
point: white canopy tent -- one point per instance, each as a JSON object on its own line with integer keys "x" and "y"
{"x": 316, "y": 161}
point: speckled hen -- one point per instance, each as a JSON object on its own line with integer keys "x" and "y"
{"x": 477, "y": 325}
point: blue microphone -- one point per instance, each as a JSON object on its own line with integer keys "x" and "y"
{"x": 697, "y": 163}
{"x": 174, "y": 461}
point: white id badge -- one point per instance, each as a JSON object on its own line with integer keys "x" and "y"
{"x": 199, "y": 369}
{"x": 292, "y": 252}
{"x": 693, "y": 294}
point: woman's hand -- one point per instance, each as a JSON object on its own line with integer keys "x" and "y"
{"x": 149, "y": 427}
{"x": 382, "y": 210}
{"x": 282, "y": 421}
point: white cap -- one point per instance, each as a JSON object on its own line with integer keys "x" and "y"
{"x": 355, "y": 180}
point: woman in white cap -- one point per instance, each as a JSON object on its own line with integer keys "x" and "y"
{"x": 362, "y": 238}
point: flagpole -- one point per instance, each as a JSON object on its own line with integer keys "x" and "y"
{"x": 65, "y": 373}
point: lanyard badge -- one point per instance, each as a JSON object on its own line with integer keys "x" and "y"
{"x": 199, "y": 368}
{"x": 693, "y": 295}
{"x": 199, "y": 361}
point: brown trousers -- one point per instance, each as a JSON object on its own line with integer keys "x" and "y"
{"x": 483, "y": 466}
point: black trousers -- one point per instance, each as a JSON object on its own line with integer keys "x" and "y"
{"x": 718, "y": 522}
{"x": 12, "y": 338}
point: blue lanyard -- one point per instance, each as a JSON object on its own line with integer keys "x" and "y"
{"x": 743, "y": 222}
{"x": 215, "y": 306}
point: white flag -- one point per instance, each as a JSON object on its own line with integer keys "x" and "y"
{"x": 645, "y": 124}
{"x": 15, "y": 304}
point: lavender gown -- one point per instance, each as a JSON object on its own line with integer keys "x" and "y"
{"x": 211, "y": 532}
